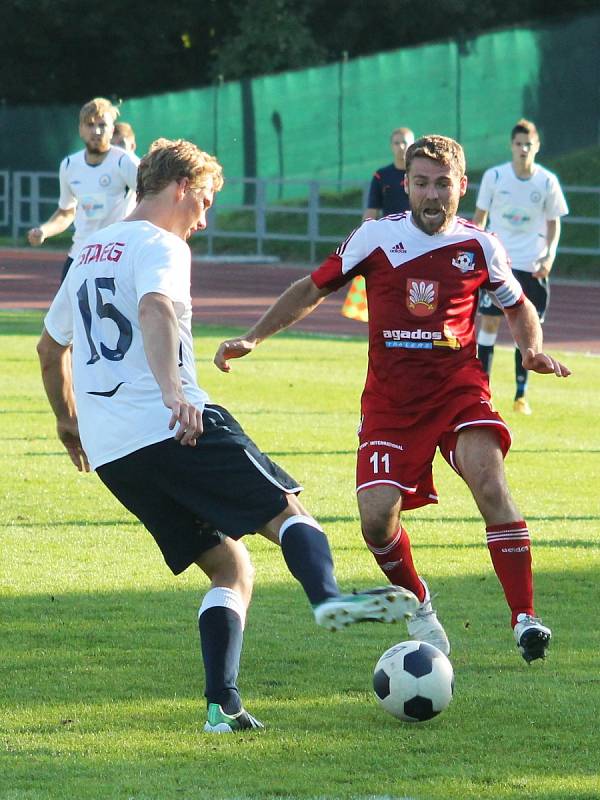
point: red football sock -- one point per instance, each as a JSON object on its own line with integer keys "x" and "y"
{"x": 510, "y": 549}
{"x": 395, "y": 561}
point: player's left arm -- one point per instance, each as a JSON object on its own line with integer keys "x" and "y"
{"x": 526, "y": 330}
{"x": 544, "y": 264}
{"x": 555, "y": 207}
{"x": 128, "y": 164}
{"x": 294, "y": 304}
{"x": 55, "y": 364}
{"x": 160, "y": 334}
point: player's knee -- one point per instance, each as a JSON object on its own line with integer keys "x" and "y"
{"x": 230, "y": 565}
{"x": 489, "y": 487}
{"x": 244, "y": 569}
{"x": 378, "y": 529}
{"x": 490, "y": 324}
{"x": 379, "y": 514}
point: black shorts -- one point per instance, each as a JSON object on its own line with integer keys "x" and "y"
{"x": 190, "y": 497}
{"x": 535, "y": 289}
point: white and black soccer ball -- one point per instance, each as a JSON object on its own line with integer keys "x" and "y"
{"x": 413, "y": 681}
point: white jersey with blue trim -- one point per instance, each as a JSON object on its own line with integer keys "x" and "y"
{"x": 119, "y": 402}
{"x": 100, "y": 193}
{"x": 519, "y": 209}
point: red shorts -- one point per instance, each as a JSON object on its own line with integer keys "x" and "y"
{"x": 399, "y": 450}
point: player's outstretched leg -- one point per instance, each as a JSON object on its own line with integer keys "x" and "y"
{"x": 394, "y": 558}
{"x": 385, "y": 604}
{"x": 308, "y": 557}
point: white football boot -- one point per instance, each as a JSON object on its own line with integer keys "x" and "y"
{"x": 424, "y": 626}
{"x": 533, "y": 638}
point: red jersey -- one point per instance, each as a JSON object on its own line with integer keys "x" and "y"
{"x": 422, "y": 295}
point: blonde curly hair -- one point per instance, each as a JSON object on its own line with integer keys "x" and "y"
{"x": 171, "y": 160}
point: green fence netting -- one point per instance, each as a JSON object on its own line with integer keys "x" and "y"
{"x": 333, "y": 123}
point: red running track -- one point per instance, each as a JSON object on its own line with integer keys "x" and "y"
{"x": 236, "y": 294}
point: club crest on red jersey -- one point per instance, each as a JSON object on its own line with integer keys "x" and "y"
{"x": 464, "y": 261}
{"x": 421, "y": 296}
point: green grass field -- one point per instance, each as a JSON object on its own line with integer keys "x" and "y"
{"x": 100, "y": 676}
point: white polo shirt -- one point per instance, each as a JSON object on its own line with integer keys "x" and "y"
{"x": 100, "y": 193}
{"x": 119, "y": 403}
{"x": 519, "y": 209}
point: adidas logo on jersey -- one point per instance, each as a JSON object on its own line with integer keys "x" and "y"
{"x": 398, "y": 248}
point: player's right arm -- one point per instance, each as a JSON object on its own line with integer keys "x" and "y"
{"x": 302, "y": 297}
{"x": 160, "y": 333}
{"x": 294, "y": 304}
{"x": 54, "y": 352}
{"x": 526, "y": 330}
{"x": 55, "y": 364}
{"x": 57, "y": 223}
{"x": 62, "y": 217}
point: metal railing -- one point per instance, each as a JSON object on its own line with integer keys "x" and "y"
{"x": 308, "y": 199}
{"x": 4, "y": 198}
{"x": 250, "y": 206}
{"x": 34, "y": 197}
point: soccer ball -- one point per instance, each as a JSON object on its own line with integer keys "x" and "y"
{"x": 413, "y": 681}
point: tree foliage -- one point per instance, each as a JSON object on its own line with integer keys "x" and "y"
{"x": 59, "y": 51}
{"x": 269, "y": 37}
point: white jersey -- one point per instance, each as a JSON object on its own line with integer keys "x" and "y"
{"x": 100, "y": 193}
{"x": 519, "y": 209}
{"x": 119, "y": 402}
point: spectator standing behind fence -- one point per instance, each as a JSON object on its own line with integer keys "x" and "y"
{"x": 524, "y": 203}
{"x": 124, "y": 137}
{"x": 97, "y": 184}
{"x": 387, "y": 195}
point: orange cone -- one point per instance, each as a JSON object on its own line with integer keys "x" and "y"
{"x": 355, "y": 304}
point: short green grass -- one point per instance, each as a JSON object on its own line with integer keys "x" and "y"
{"x": 100, "y": 676}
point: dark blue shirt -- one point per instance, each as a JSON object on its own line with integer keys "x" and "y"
{"x": 387, "y": 191}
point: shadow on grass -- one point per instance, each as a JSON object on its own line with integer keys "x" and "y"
{"x": 448, "y": 545}
{"x": 103, "y": 695}
{"x": 80, "y": 640}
